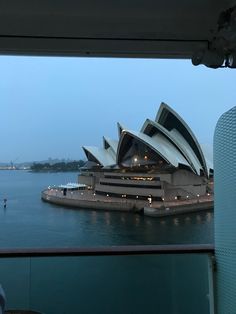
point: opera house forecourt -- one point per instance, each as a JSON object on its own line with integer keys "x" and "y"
{"x": 160, "y": 170}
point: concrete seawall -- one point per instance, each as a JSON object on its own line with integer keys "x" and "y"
{"x": 178, "y": 210}
{"x": 86, "y": 200}
{"x": 89, "y": 204}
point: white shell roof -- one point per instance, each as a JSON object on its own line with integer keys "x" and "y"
{"x": 171, "y": 139}
{"x": 178, "y": 141}
{"x": 159, "y": 144}
{"x": 208, "y": 153}
{"x": 112, "y": 145}
{"x": 187, "y": 148}
{"x": 185, "y": 132}
{"x": 120, "y": 128}
{"x": 104, "y": 157}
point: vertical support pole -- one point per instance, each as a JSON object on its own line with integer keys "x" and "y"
{"x": 211, "y": 268}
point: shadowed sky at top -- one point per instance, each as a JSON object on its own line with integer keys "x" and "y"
{"x": 50, "y": 107}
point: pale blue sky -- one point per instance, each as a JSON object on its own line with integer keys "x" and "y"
{"x": 50, "y": 107}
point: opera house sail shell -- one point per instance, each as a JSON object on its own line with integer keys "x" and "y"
{"x": 168, "y": 118}
{"x": 163, "y": 160}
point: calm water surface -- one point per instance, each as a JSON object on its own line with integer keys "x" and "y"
{"x": 29, "y": 222}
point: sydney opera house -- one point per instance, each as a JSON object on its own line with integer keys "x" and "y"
{"x": 163, "y": 160}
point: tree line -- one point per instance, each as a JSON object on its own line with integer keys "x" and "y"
{"x": 57, "y": 167}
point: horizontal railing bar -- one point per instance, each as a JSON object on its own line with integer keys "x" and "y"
{"x": 107, "y": 250}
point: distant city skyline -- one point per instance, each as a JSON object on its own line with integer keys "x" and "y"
{"x": 51, "y": 107}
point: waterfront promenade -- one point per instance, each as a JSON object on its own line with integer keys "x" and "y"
{"x": 87, "y": 199}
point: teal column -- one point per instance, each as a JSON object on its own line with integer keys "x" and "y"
{"x": 225, "y": 212}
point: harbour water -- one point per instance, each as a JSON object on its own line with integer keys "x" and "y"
{"x": 29, "y": 222}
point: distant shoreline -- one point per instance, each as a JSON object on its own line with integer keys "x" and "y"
{"x": 39, "y": 171}
{"x": 57, "y": 167}
{"x": 51, "y": 171}
{"x": 9, "y": 169}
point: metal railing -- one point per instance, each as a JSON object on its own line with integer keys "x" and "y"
{"x": 116, "y": 279}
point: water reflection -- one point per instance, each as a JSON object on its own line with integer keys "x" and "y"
{"x": 148, "y": 222}
{"x": 107, "y": 218}
{"x": 187, "y": 219}
{"x": 209, "y": 216}
{"x": 137, "y": 220}
{"x": 198, "y": 218}
{"x": 94, "y": 217}
{"x": 122, "y": 217}
{"x": 176, "y": 221}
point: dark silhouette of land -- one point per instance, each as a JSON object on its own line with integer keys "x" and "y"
{"x": 57, "y": 167}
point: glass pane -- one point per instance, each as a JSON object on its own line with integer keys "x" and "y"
{"x": 121, "y": 284}
{"x": 170, "y": 283}
{"x": 15, "y": 280}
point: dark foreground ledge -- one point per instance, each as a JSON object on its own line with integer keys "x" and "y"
{"x": 110, "y": 250}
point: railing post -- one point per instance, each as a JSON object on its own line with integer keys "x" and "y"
{"x": 211, "y": 270}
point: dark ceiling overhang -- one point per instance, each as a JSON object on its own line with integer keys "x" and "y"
{"x": 124, "y": 28}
